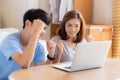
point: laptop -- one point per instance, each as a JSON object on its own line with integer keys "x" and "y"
{"x": 87, "y": 56}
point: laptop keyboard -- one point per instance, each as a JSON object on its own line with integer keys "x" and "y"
{"x": 68, "y": 67}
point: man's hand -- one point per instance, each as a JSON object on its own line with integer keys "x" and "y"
{"x": 51, "y": 47}
{"x": 38, "y": 26}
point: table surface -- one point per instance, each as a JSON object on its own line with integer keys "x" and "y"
{"x": 110, "y": 71}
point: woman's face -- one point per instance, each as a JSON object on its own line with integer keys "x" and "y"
{"x": 72, "y": 27}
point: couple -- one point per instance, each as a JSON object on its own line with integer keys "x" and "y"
{"x": 19, "y": 50}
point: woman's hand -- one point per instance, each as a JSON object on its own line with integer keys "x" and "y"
{"x": 60, "y": 46}
{"x": 89, "y": 38}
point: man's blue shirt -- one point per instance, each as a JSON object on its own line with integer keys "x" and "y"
{"x": 8, "y": 47}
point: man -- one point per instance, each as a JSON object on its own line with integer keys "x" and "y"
{"x": 19, "y": 50}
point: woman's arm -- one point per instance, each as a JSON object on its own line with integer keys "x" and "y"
{"x": 59, "y": 45}
{"x": 58, "y": 57}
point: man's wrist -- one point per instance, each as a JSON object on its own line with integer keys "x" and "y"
{"x": 51, "y": 58}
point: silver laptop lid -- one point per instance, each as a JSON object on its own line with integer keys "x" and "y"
{"x": 90, "y": 55}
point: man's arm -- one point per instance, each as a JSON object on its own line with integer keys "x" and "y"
{"x": 24, "y": 59}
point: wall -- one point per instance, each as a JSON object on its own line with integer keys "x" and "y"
{"x": 12, "y": 11}
{"x": 44, "y": 4}
{"x": 102, "y": 11}
{"x": 0, "y": 15}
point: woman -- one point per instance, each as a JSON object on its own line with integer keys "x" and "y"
{"x": 71, "y": 33}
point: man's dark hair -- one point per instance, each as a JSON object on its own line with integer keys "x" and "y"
{"x": 33, "y": 14}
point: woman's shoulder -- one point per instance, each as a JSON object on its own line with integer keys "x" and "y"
{"x": 56, "y": 38}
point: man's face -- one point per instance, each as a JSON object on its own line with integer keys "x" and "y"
{"x": 43, "y": 31}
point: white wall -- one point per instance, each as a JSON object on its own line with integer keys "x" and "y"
{"x": 13, "y": 10}
{"x": 44, "y": 4}
{"x": 102, "y": 11}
